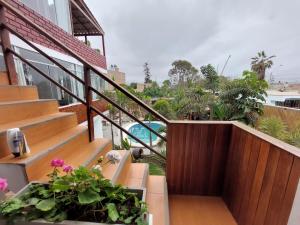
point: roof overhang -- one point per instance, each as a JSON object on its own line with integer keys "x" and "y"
{"x": 84, "y": 23}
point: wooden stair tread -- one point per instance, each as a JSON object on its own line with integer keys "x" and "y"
{"x": 112, "y": 171}
{"x": 157, "y": 200}
{"x": 20, "y": 110}
{"x": 33, "y": 121}
{"x": 46, "y": 146}
{"x": 136, "y": 175}
{"x": 14, "y": 93}
{"x": 3, "y": 78}
{"x": 199, "y": 210}
{"x": 83, "y": 155}
{"x": 26, "y": 101}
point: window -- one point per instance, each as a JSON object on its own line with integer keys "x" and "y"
{"x": 57, "y": 11}
{"x": 48, "y": 90}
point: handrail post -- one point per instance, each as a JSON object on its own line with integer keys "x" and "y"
{"x": 89, "y": 99}
{"x": 8, "y": 57}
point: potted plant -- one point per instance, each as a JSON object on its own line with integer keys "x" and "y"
{"x": 75, "y": 196}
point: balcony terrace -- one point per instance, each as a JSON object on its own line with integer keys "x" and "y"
{"x": 255, "y": 175}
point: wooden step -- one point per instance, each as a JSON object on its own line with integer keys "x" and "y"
{"x": 20, "y": 171}
{"x": 18, "y": 93}
{"x": 199, "y": 210}
{"x": 135, "y": 176}
{"x": 81, "y": 155}
{"x": 74, "y": 136}
{"x": 38, "y": 129}
{"x": 72, "y": 153}
{"x": 113, "y": 171}
{"x": 157, "y": 200}
{"x": 21, "y": 110}
{"x": 3, "y": 78}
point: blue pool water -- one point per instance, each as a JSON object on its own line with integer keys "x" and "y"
{"x": 143, "y": 133}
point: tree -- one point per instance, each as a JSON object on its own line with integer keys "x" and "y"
{"x": 193, "y": 103}
{"x": 147, "y": 73}
{"x": 163, "y": 107}
{"x": 154, "y": 91}
{"x": 166, "y": 83}
{"x": 212, "y": 79}
{"x": 244, "y": 98}
{"x": 182, "y": 72}
{"x": 260, "y": 63}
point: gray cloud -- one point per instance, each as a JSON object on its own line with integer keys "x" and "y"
{"x": 207, "y": 31}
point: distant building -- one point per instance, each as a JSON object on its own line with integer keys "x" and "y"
{"x": 286, "y": 98}
{"x": 148, "y": 85}
{"x": 115, "y": 74}
{"x": 140, "y": 87}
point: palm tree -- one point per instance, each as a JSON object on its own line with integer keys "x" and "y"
{"x": 260, "y": 63}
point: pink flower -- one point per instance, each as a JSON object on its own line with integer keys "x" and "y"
{"x": 3, "y": 184}
{"x": 67, "y": 169}
{"x": 57, "y": 163}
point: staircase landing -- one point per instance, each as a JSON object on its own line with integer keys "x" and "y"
{"x": 199, "y": 210}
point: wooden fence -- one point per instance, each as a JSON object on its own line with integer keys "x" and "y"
{"x": 261, "y": 178}
{"x": 288, "y": 115}
{"x": 197, "y": 154}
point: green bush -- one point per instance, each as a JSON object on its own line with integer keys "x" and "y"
{"x": 293, "y": 137}
{"x": 273, "y": 126}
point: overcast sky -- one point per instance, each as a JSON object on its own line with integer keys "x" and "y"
{"x": 201, "y": 31}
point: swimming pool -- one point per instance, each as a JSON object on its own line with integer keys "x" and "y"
{"x": 143, "y": 133}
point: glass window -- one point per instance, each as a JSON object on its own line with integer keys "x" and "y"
{"x": 57, "y": 11}
{"x": 63, "y": 14}
{"x": 48, "y": 90}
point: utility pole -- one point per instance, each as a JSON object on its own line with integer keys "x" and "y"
{"x": 225, "y": 65}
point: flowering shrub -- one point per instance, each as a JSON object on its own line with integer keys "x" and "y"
{"x": 57, "y": 163}
{"x": 78, "y": 194}
{"x": 3, "y": 184}
{"x": 67, "y": 169}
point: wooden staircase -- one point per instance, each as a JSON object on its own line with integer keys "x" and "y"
{"x": 52, "y": 134}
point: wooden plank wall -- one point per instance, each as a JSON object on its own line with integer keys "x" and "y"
{"x": 196, "y": 160}
{"x": 261, "y": 178}
{"x": 288, "y": 115}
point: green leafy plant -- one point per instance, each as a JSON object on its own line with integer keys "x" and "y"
{"x": 221, "y": 112}
{"x": 82, "y": 194}
{"x": 126, "y": 144}
{"x": 245, "y": 97}
{"x": 164, "y": 108}
{"x": 156, "y": 160}
{"x": 293, "y": 137}
{"x": 273, "y": 126}
{"x": 212, "y": 81}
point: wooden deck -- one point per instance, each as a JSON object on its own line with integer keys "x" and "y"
{"x": 199, "y": 210}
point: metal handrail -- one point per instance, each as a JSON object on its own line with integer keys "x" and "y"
{"x": 45, "y": 75}
{"x": 83, "y": 102}
{"x": 82, "y": 60}
{"x": 10, "y": 29}
{"x": 81, "y": 81}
